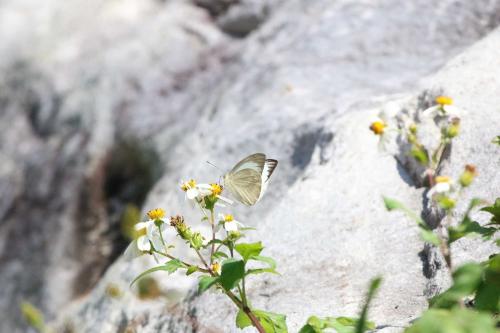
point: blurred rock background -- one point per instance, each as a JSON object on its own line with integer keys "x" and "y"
{"x": 106, "y": 105}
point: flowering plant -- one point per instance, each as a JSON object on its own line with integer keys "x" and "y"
{"x": 473, "y": 300}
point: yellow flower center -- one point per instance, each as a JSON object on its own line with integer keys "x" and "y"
{"x": 188, "y": 185}
{"x": 442, "y": 179}
{"x": 216, "y": 189}
{"x": 156, "y": 214}
{"x": 228, "y": 218}
{"x": 216, "y": 267}
{"x": 378, "y": 127}
{"x": 444, "y": 100}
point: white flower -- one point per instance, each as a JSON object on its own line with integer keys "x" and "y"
{"x": 444, "y": 107}
{"x": 198, "y": 192}
{"x": 150, "y": 231}
{"x": 229, "y": 223}
{"x": 443, "y": 185}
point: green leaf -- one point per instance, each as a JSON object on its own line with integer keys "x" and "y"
{"x": 219, "y": 255}
{"x": 456, "y": 320}
{"x": 466, "y": 280}
{"x": 206, "y": 282}
{"x": 425, "y": 232}
{"x": 468, "y": 227}
{"x": 428, "y": 236}
{"x": 362, "y": 324}
{"x": 232, "y": 272}
{"x": 191, "y": 270}
{"x": 170, "y": 267}
{"x": 496, "y": 140}
{"x": 391, "y": 204}
{"x": 488, "y": 294}
{"x": 33, "y": 316}
{"x": 420, "y": 155}
{"x": 247, "y": 250}
{"x": 494, "y": 210}
{"x": 268, "y": 260}
{"x": 271, "y": 322}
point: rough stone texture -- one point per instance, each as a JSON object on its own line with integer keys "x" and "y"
{"x": 301, "y": 88}
{"x": 89, "y": 77}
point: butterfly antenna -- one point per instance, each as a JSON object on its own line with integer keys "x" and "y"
{"x": 215, "y": 166}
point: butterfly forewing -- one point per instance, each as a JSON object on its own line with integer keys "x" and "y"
{"x": 254, "y": 162}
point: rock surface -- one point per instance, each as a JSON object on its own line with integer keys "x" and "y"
{"x": 301, "y": 88}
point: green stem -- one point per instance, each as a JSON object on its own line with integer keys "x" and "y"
{"x": 183, "y": 262}
{"x": 212, "y": 222}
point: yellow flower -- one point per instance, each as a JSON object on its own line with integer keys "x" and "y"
{"x": 378, "y": 127}
{"x": 444, "y": 100}
{"x": 188, "y": 185}
{"x": 156, "y": 214}
{"x": 216, "y": 189}
{"x": 215, "y": 267}
{"x": 228, "y": 218}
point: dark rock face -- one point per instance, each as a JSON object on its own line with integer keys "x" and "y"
{"x": 106, "y": 111}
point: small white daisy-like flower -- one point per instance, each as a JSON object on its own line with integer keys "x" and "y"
{"x": 444, "y": 107}
{"x": 229, "y": 223}
{"x": 443, "y": 185}
{"x": 149, "y": 231}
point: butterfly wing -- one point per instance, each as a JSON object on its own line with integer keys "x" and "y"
{"x": 255, "y": 162}
{"x": 268, "y": 170}
{"x": 245, "y": 185}
{"x": 247, "y": 181}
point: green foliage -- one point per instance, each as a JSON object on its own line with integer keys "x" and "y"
{"x": 456, "y": 320}
{"x": 248, "y": 250}
{"x": 425, "y": 232}
{"x": 496, "y": 140}
{"x": 495, "y": 211}
{"x": 233, "y": 271}
{"x": 466, "y": 280}
{"x": 33, "y": 316}
{"x": 420, "y": 155}
{"x": 272, "y": 322}
{"x": 361, "y": 325}
{"x": 148, "y": 288}
{"x": 170, "y": 267}
{"x": 268, "y": 260}
{"x": 339, "y": 325}
{"x": 344, "y": 324}
{"x": 206, "y": 282}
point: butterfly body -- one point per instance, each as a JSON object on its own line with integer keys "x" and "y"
{"x": 248, "y": 179}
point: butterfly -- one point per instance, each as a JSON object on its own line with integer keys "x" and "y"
{"x": 248, "y": 179}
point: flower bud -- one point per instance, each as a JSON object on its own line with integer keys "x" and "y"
{"x": 468, "y": 175}
{"x": 453, "y": 129}
{"x": 215, "y": 267}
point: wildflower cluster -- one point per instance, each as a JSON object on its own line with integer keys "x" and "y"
{"x": 224, "y": 262}
{"x": 476, "y": 280}
{"x": 223, "y": 259}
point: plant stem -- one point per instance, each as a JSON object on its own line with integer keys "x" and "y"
{"x": 183, "y": 262}
{"x": 255, "y": 322}
{"x": 212, "y": 222}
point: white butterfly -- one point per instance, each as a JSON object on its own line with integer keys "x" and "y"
{"x": 249, "y": 178}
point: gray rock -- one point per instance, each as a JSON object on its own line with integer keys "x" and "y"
{"x": 301, "y": 88}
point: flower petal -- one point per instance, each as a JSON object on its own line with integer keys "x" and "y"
{"x": 143, "y": 244}
{"x": 231, "y": 226}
